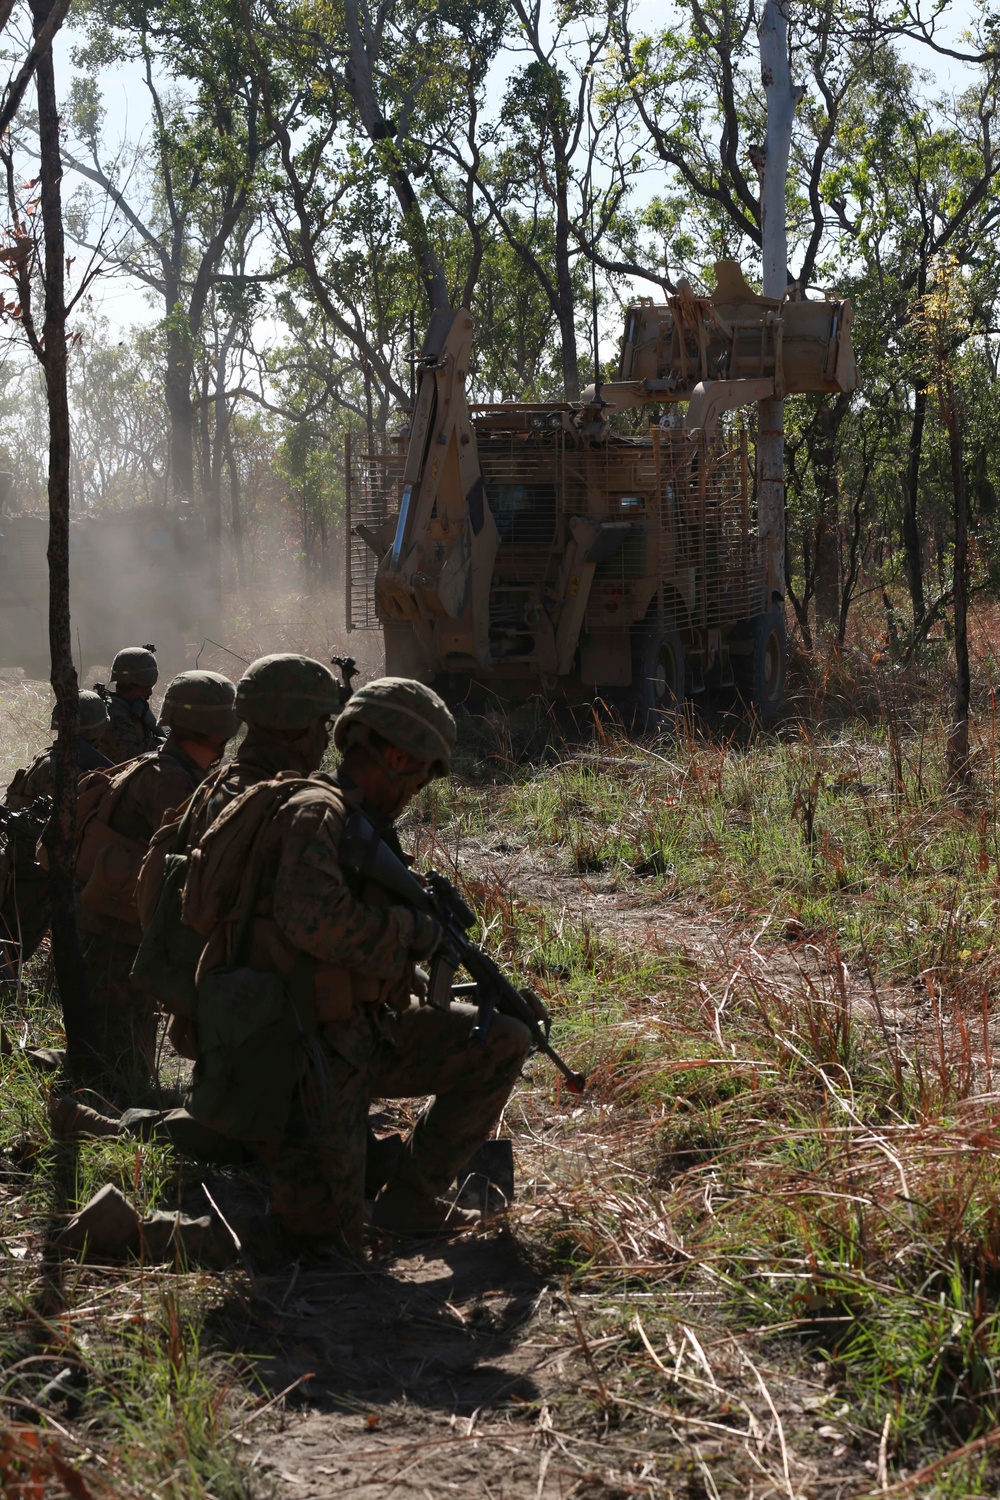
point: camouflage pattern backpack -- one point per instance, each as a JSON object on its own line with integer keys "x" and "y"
{"x": 106, "y": 863}
{"x": 255, "y": 1028}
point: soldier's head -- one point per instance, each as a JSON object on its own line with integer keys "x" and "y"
{"x": 93, "y": 716}
{"x": 134, "y": 672}
{"x": 198, "y": 711}
{"x": 292, "y": 699}
{"x": 395, "y": 735}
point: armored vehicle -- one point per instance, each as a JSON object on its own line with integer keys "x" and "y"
{"x": 606, "y": 548}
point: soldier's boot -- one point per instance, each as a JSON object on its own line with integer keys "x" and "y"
{"x": 403, "y": 1209}
{"x": 72, "y": 1121}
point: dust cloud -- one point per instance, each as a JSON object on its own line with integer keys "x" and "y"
{"x": 252, "y": 623}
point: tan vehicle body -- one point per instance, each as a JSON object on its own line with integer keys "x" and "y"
{"x": 532, "y": 547}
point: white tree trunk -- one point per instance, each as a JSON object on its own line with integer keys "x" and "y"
{"x": 782, "y": 98}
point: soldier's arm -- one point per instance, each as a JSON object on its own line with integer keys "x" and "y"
{"x": 317, "y": 912}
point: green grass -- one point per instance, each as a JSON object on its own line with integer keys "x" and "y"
{"x": 155, "y": 1399}
{"x": 806, "y": 1179}
{"x": 816, "y": 1171}
{"x": 856, "y": 836}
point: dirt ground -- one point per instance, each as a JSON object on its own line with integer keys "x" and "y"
{"x": 469, "y": 1366}
{"x": 459, "y": 1367}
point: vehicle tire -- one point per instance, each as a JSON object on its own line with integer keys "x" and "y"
{"x": 658, "y": 678}
{"x": 760, "y": 675}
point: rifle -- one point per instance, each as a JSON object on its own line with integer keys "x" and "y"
{"x": 365, "y": 853}
{"x": 20, "y": 831}
{"x": 349, "y": 669}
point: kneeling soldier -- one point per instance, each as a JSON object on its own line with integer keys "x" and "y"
{"x": 306, "y": 1009}
{"x": 119, "y": 812}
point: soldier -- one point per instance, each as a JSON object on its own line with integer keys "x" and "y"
{"x": 198, "y": 712}
{"x": 24, "y": 885}
{"x": 276, "y": 697}
{"x": 347, "y": 956}
{"x": 36, "y": 780}
{"x": 271, "y": 697}
{"x": 133, "y": 728}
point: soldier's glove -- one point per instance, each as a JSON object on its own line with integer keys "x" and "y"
{"x": 539, "y": 1008}
{"x": 427, "y": 937}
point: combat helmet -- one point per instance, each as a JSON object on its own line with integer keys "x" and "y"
{"x": 200, "y": 703}
{"x": 93, "y": 715}
{"x": 408, "y": 714}
{"x": 134, "y": 666}
{"x": 286, "y": 691}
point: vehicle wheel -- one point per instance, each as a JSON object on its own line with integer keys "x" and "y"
{"x": 659, "y": 678}
{"x": 760, "y": 675}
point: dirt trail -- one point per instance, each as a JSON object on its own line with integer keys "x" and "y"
{"x": 455, "y": 1368}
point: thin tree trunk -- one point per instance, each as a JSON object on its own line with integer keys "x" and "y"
{"x": 853, "y": 557}
{"x": 782, "y": 98}
{"x": 236, "y": 505}
{"x": 177, "y": 392}
{"x": 801, "y": 606}
{"x": 60, "y": 833}
{"x": 359, "y": 77}
{"x": 911, "y": 531}
{"x": 564, "y": 289}
{"x": 958, "y": 739}
{"x": 824, "y": 457}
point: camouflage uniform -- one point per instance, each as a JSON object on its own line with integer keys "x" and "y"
{"x": 124, "y": 1014}
{"x": 376, "y": 1042}
{"x": 133, "y": 730}
{"x": 124, "y": 1019}
{"x": 262, "y": 755}
{"x": 35, "y": 780}
{"x": 24, "y": 885}
{"x": 259, "y": 758}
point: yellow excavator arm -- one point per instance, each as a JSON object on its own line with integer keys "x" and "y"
{"x": 729, "y": 350}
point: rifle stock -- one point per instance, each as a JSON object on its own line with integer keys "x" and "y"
{"x": 364, "y": 852}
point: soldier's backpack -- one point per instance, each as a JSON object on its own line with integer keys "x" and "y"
{"x": 168, "y": 955}
{"x": 106, "y": 863}
{"x": 254, "y": 1027}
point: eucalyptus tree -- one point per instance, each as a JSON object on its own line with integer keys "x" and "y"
{"x": 178, "y": 196}
{"x": 917, "y": 180}
{"x": 883, "y": 178}
{"x": 35, "y": 259}
{"x": 374, "y": 90}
